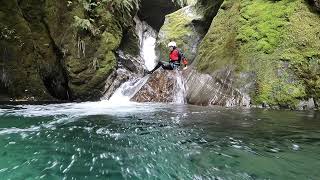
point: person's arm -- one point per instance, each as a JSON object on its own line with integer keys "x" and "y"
{"x": 184, "y": 61}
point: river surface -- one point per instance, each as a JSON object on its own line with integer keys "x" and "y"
{"x": 103, "y": 140}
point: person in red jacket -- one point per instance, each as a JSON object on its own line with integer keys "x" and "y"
{"x": 176, "y": 56}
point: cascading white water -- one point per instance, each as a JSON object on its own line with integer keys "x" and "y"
{"x": 127, "y": 90}
{"x": 180, "y": 90}
{"x": 147, "y": 37}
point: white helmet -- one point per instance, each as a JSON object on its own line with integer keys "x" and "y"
{"x": 172, "y": 44}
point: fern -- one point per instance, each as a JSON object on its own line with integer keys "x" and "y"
{"x": 84, "y": 24}
{"x": 88, "y": 5}
{"x": 120, "y": 8}
{"x": 125, "y": 9}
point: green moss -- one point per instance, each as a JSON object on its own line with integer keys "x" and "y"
{"x": 47, "y": 48}
{"x": 110, "y": 41}
{"x": 130, "y": 42}
{"x": 278, "y": 41}
{"x": 218, "y": 47}
{"x": 209, "y": 9}
{"x": 17, "y": 57}
{"x": 179, "y": 27}
{"x": 176, "y": 28}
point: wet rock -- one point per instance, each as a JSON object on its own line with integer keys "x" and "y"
{"x": 316, "y": 4}
{"x": 114, "y": 81}
{"x": 306, "y": 105}
{"x": 129, "y": 67}
{"x": 129, "y": 62}
{"x": 205, "y": 89}
{"x": 159, "y": 88}
{"x": 154, "y": 11}
{"x": 285, "y": 72}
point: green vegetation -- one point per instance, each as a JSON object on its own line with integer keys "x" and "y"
{"x": 85, "y": 24}
{"x": 277, "y": 41}
{"x": 179, "y": 27}
{"x": 60, "y": 46}
{"x": 99, "y": 31}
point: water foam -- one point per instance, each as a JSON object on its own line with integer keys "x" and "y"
{"x": 180, "y": 90}
{"x": 147, "y": 37}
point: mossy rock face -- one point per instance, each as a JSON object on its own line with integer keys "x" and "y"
{"x": 276, "y": 41}
{"x": 88, "y": 39}
{"x": 61, "y": 49}
{"x": 154, "y": 11}
{"x": 180, "y": 27}
{"x": 187, "y": 27}
{"x": 19, "y": 63}
{"x": 130, "y": 43}
{"x": 209, "y": 9}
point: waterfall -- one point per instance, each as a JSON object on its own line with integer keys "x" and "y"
{"x": 127, "y": 90}
{"x": 180, "y": 90}
{"x": 147, "y": 37}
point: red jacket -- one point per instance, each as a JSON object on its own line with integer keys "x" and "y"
{"x": 174, "y": 55}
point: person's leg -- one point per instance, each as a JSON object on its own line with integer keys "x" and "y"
{"x": 165, "y": 66}
{"x": 168, "y": 66}
{"x": 155, "y": 68}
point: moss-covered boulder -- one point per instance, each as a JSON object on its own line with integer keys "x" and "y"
{"x": 93, "y": 31}
{"x": 186, "y": 27}
{"x": 181, "y": 27}
{"x": 276, "y": 42}
{"x": 20, "y": 73}
{"x": 61, "y": 49}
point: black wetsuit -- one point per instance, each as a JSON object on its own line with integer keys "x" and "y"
{"x": 174, "y": 63}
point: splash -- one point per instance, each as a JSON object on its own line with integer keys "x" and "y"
{"x": 180, "y": 90}
{"x": 127, "y": 90}
{"x": 147, "y": 37}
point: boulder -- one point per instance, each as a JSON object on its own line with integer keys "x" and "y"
{"x": 62, "y": 49}
{"x": 159, "y": 88}
{"x": 183, "y": 27}
{"x": 276, "y": 42}
{"x": 206, "y": 89}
